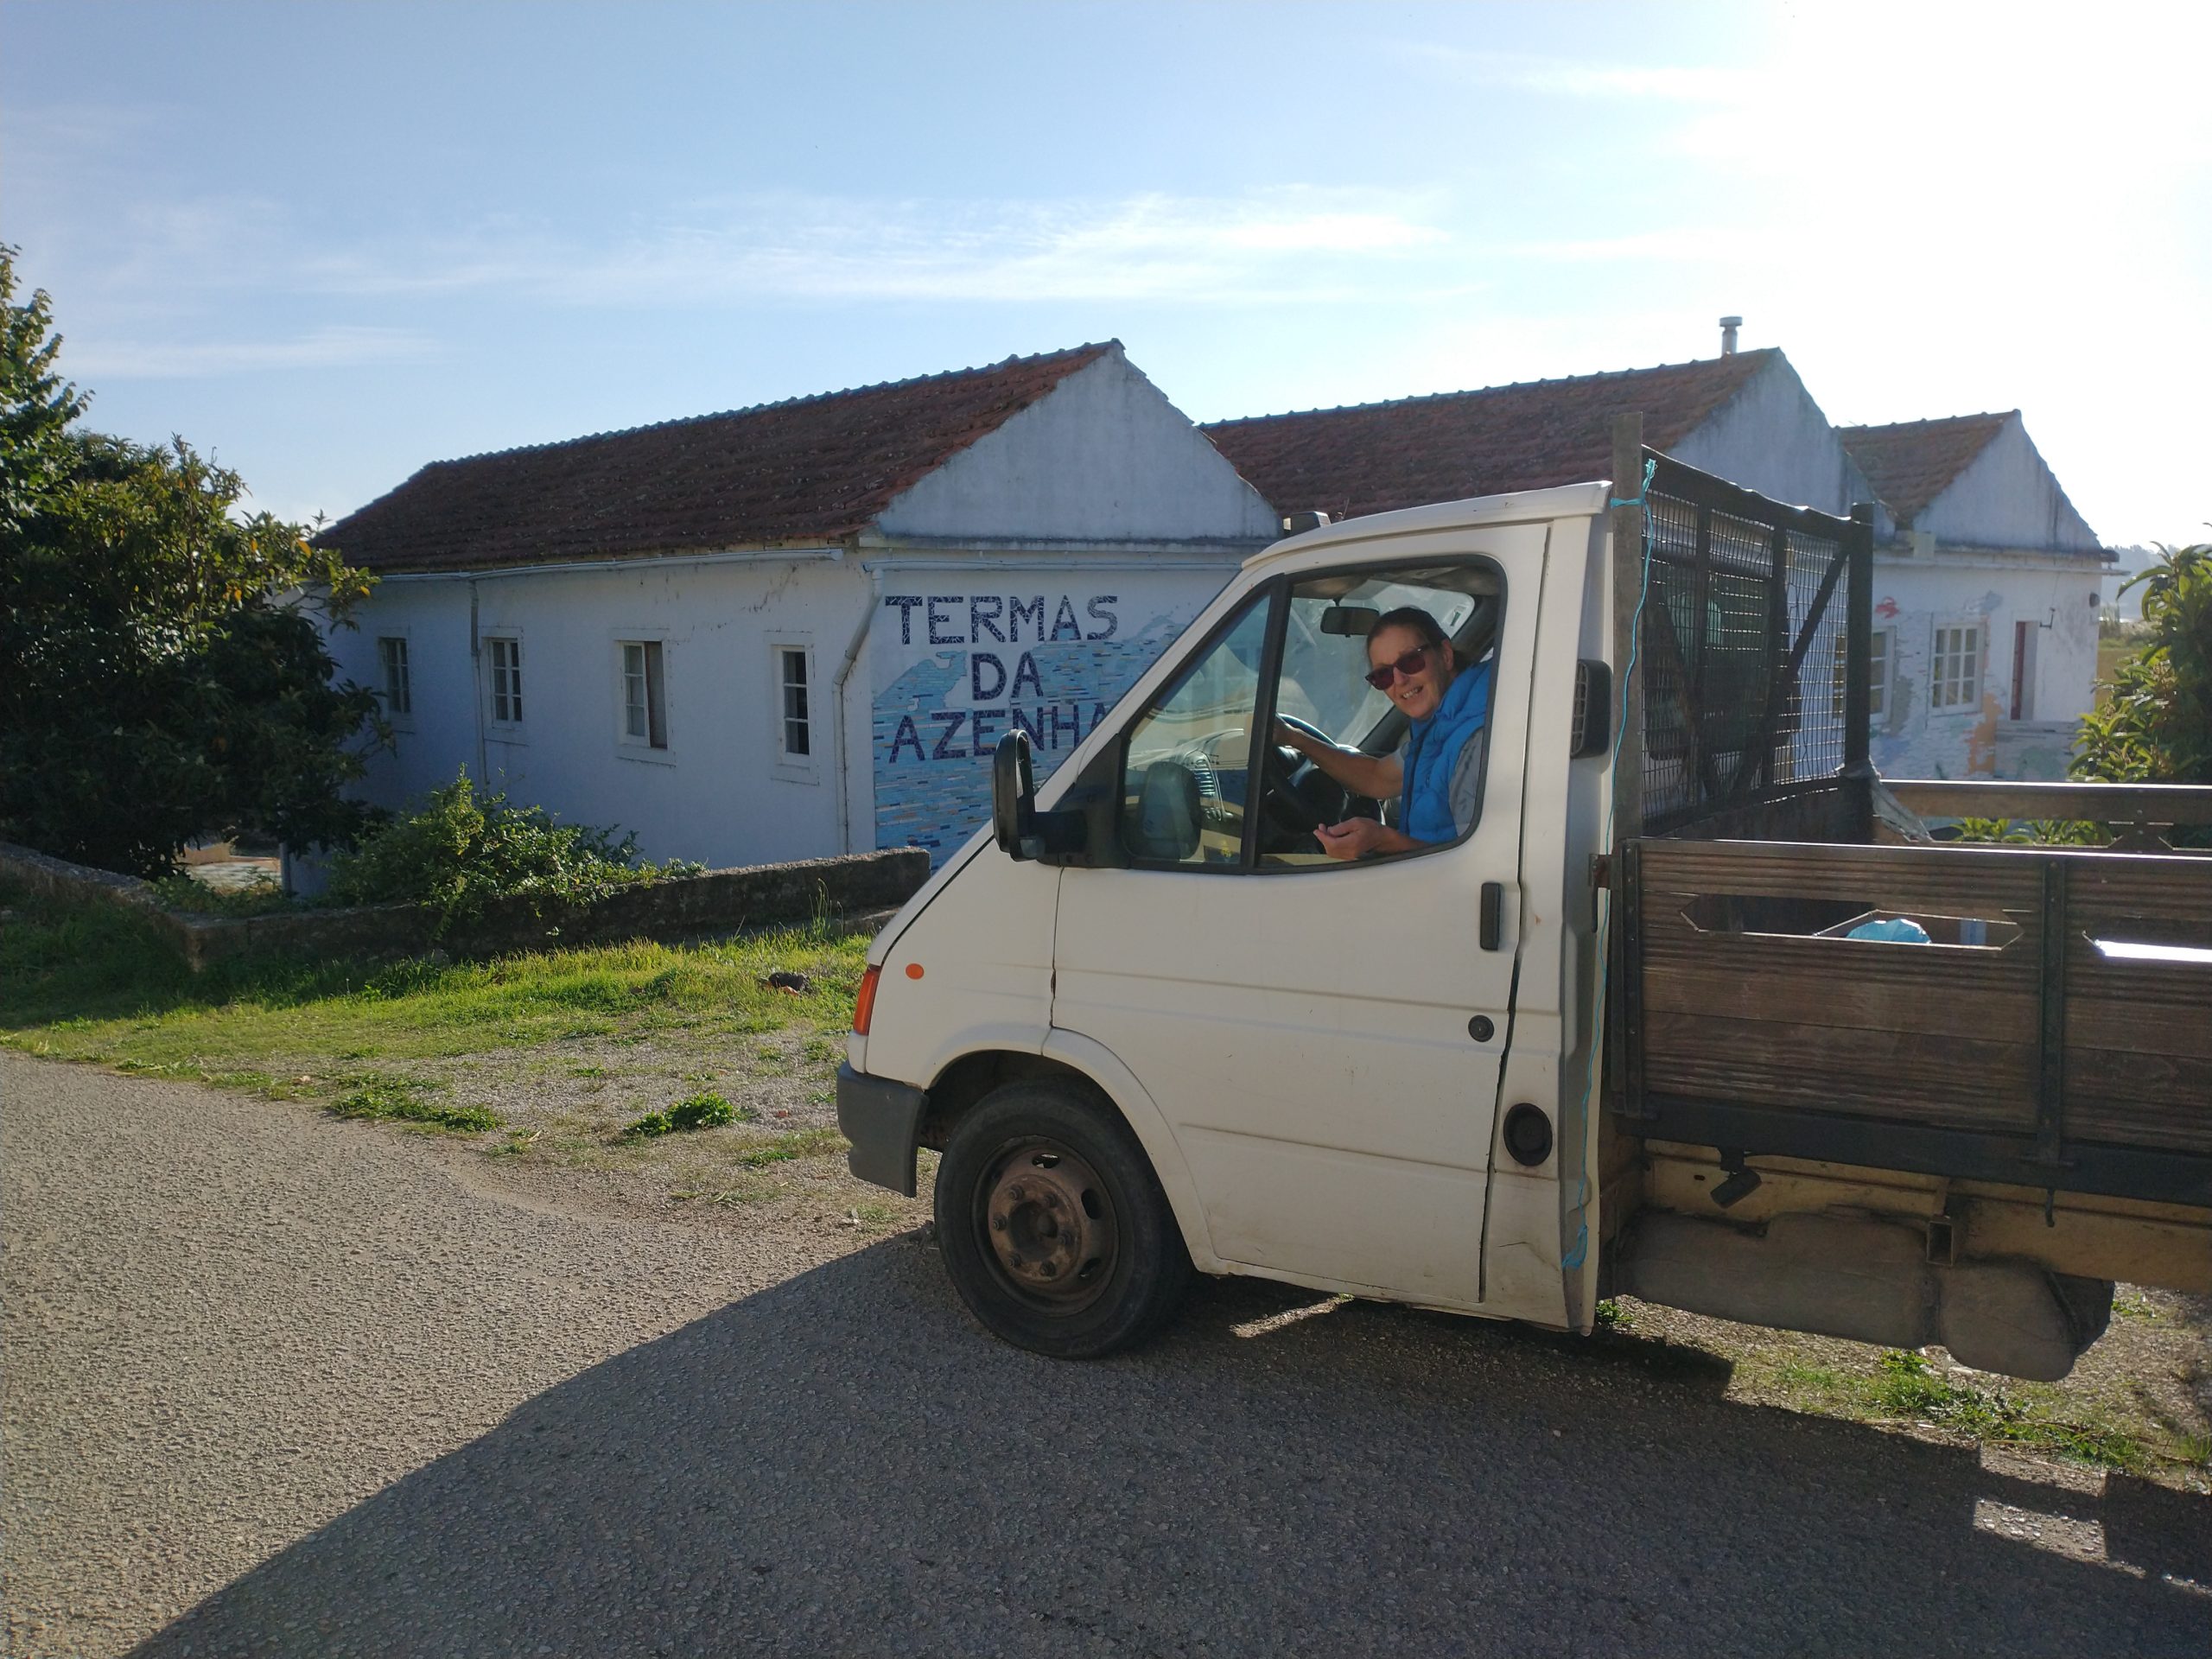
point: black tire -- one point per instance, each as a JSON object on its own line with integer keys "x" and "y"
{"x": 1054, "y": 1227}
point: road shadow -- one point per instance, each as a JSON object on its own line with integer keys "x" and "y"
{"x": 844, "y": 1463}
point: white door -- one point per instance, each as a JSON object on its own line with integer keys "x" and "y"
{"x": 1323, "y": 1037}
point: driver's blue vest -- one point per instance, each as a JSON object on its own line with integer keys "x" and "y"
{"x": 1433, "y": 755}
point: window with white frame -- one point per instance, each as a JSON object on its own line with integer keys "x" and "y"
{"x": 505, "y": 655}
{"x": 1877, "y": 678}
{"x": 795, "y": 740}
{"x": 1954, "y": 667}
{"x": 645, "y": 693}
{"x": 398, "y": 693}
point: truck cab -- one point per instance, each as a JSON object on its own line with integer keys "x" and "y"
{"x": 1314, "y": 1063}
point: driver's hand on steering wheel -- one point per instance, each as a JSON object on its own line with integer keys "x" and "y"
{"x": 1288, "y": 736}
{"x": 1353, "y": 838}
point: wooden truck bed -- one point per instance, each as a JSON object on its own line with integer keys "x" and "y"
{"x": 2055, "y": 1032}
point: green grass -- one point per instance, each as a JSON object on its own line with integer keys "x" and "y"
{"x": 407, "y": 1100}
{"x": 95, "y": 984}
{"x": 1906, "y": 1388}
{"x": 785, "y": 1148}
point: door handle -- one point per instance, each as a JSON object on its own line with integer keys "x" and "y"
{"x": 1493, "y": 922}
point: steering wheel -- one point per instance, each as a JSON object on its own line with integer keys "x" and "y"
{"x": 1287, "y": 809}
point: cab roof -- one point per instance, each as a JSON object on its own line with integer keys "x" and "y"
{"x": 1520, "y": 507}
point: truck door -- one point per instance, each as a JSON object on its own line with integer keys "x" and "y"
{"x": 1324, "y": 1037}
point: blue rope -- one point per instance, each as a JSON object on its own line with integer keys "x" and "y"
{"x": 1574, "y": 1255}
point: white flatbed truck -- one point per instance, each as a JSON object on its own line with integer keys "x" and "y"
{"x": 1617, "y": 1037}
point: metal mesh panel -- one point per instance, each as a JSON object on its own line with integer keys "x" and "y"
{"x": 1743, "y": 651}
{"x": 1821, "y": 684}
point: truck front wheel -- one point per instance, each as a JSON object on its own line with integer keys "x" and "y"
{"x": 1054, "y": 1227}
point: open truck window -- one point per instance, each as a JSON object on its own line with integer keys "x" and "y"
{"x": 1192, "y": 772}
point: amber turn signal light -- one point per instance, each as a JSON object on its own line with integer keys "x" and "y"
{"x": 864, "y": 1003}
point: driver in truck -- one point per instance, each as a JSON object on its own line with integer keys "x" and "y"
{"x": 1439, "y": 779}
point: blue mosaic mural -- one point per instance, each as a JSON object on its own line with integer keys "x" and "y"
{"x": 955, "y": 671}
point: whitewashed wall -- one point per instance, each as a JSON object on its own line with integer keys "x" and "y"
{"x": 2007, "y": 496}
{"x": 1772, "y": 437}
{"x": 1913, "y": 597}
{"x": 1105, "y": 458}
{"x": 718, "y": 792}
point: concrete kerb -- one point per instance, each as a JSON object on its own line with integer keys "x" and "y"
{"x": 856, "y": 887}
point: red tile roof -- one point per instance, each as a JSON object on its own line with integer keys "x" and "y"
{"x": 1911, "y": 462}
{"x": 810, "y": 470}
{"x": 1375, "y": 457}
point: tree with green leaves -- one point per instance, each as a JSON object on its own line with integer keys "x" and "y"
{"x": 2157, "y": 726}
{"x": 162, "y": 679}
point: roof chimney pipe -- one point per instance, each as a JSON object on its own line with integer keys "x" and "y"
{"x": 1728, "y": 328}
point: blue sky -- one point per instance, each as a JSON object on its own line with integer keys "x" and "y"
{"x": 332, "y": 242}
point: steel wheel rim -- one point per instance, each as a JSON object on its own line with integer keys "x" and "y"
{"x": 1047, "y": 1225}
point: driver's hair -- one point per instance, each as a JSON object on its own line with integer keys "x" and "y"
{"x": 1420, "y": 622}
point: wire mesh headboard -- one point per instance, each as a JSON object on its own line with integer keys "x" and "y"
{"x": 1753, "y": 648}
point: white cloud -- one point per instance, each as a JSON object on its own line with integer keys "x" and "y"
{"x": 1274, "y": 245}
{"x": 333, "y": 347}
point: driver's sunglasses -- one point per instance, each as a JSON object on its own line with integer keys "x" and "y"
{"x": 1406, "y": 667}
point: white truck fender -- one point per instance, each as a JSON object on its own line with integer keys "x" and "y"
{"x": 1098, "y": 1062}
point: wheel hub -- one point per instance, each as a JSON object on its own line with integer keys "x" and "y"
{"x": 1049, "y": 1225}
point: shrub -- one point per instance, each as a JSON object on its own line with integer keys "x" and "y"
{"x": 459, "y": 853}
{"x": 701, "y": 1111}
{"x": 2156, "y": 726}
{"x": 182, "y": 893}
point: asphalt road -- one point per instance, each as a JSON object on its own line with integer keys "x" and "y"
{"x": 279, "y": 1386}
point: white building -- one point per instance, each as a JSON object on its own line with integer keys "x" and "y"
{"x": 799, "y": 629}
{"x": 1984, "y": 575}
{"x": 1988, "y": 586}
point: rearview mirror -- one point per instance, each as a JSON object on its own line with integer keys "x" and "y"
{"x": 1355, "y": 620}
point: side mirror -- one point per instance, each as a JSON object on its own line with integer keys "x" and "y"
{"x": 1014, "y": 795}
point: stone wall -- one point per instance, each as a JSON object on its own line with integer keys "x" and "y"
{"x": 762, "y": 895}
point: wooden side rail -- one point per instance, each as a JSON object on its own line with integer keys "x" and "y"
{"x": 2145, "y": 804}
{"x": 2057, "y": 1029}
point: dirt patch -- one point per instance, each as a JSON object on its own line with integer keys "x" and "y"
{"x": 565, "y": 1114}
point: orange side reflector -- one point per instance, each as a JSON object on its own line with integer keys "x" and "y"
{"x": 913, "y": 970}
{"x": 864, "y": 1003}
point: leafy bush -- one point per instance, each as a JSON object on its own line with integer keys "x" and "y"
{"x": 2055, "y": 832}
{"x": 195, "y": 898}
{"x": 701, "y": 1111}
{"x": 459, "y": 853}
{"x": 2157, "y": 727}
{"x": 162, "y": 674}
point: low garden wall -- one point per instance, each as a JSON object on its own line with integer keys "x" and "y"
{"x": 761, "y": 895}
